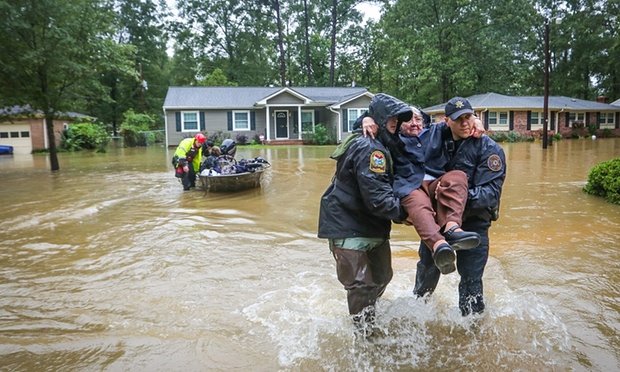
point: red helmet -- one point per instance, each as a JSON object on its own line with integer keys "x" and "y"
{"x": 200, "y": 138}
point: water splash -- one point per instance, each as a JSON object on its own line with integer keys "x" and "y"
{"x": 307, "y": 322}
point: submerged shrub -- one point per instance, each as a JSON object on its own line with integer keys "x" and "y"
{"x": 320, "y": 136}
{"x": 604, "y": 180}
{"x": 135, "y": 129}
{"x": 510, "y": 137}
{"x": 85, "y": 136}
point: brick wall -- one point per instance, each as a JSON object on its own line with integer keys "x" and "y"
{"x": 37, "y": 131}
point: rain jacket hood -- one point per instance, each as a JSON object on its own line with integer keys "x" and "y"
{"x": 383, "y": 106}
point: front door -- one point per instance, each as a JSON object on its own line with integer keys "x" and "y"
{"x": 281, "y": 124}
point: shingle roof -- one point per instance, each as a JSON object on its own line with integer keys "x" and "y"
{"x": 616, "y": 103}
{"x": 246, "y": 97}
{"x": 27, "y": 110}
{"x": 500, "y": 101}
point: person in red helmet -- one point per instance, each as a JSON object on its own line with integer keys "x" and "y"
{"x": 187, "y": 159}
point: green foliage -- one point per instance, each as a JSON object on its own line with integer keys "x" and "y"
{"x": 216, "y": 79}
{"x": 604, "y": 181}
{"x": 53, "y": 53}
{"x": 557, "y": 137}
{"x": 256, "y": 140}
{"x": 510, "y": 137}
{"x": 591, "y": 129}
{"x": 85, "y": 136}
{"x": 606, "y": 133}
{"x": 135, "y": 129}
{"x": 320, "y": 136}
{"x": 138, "y": 121}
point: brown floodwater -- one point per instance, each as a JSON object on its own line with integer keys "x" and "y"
{"x": 109, "y": 265}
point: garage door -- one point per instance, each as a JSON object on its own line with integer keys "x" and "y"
{"x": 17, "y": 136}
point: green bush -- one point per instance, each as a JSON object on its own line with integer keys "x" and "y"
{"x": 319, "y": 137}
{"x": 510, "y": 137}
{"x": 85, "y": 136}
{"x": 591, "y": 129}
{"x": 135, "y": 129}
{"x": 604, "y": 180}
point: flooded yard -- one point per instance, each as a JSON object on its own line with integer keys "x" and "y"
{"x": 110, "y": 265}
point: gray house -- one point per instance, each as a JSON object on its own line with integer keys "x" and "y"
{"x": 524, "y": 114}
{"x": 276, "y": 115}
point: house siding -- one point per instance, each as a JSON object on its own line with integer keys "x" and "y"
{"x": 263, "y": 103}
{"x": 358, "y": 103}
{"x": 215, "y": 121}
{"x": 36, "y": 127}
{"x": 284, "y": 99}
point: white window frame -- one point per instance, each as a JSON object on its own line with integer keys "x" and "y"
{"x": 236, "y": 127}
{"x": 577, "y": 117}
{"x": 357, "y": 112}
{"x": 183, "y": 128}
{"x": 302, "y": 123}
{"x": 607, "y": 120}
{"x": 497, "y": 125}
{"x": 534, "y": 125}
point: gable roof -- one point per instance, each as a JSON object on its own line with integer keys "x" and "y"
{"x": 284, "y": 90}
{"x": 249, "y": 97}
{"x": 500, "y": 101}
{"x": 616, "y": 103}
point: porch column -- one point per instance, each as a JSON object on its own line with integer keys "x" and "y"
{"x": 268, "y": 122}
{"x": 298, "y": 122}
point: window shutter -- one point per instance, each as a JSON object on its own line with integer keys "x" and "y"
{"x": 617, "y": 120}
{"x": 345, "y": 121}
{"x": 316, "y": 116}
{"x": 587, "y": 120}
{"x": 203, "y": 125}
{"x": 552, "y": 122}
{"x": 230, "y": 120}
{"x": 529, "y": 120}
{"x": 177, "y": 116}
{"x": 253, "y": 120}
{"x": 567, "y": 115}
{"x": 486, "y": 120}
{"x": 511, "y": 120}
{"x": 598, "y": 120}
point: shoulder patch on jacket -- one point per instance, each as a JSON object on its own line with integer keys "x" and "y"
{"x": 494, "y": 163}
{"x": 378, "y": 163}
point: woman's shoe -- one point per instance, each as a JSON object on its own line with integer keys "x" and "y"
{"x": 460, "y": 240}
{"x": 444, "y": 258}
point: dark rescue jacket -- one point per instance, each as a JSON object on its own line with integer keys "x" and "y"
{"x": 360, "y": 201}
{"x": 482, "y": 159}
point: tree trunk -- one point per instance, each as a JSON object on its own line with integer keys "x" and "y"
{"x": 276, "y": 5}
{"x": 51, "y": 139}
{"x": 332, "y": 48}
{"x": 309, "y": 78}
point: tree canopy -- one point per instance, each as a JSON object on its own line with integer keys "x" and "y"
{"x": 105, "y": 57}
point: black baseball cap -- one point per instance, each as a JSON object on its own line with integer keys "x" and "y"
{"x": 458, "y": 106}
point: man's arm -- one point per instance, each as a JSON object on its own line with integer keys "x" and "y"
{"x": 488, "y": 178}
{"x": 371, "y": 170}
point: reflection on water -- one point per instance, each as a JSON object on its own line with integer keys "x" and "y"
{"x": 109, "y": 265}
